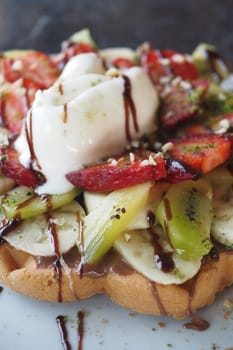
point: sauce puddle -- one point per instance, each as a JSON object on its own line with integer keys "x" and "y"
{"x": 197, "y": 324}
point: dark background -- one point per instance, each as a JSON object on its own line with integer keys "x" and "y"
{"x": 177, "y": 24}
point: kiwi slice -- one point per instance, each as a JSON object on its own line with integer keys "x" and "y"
{"x": 105, "y": 223}
{"x": 185, "y": 213}
{"x": 23, "y": 203}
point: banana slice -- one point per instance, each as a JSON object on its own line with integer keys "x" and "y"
{"x": 141, "y": 220}
{"x": 137, "y": 250}
{"x": 33, "y": 235}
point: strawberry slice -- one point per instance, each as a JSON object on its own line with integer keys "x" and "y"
{"x": 13, "y": 109}
{"x": 33, "y": 67}
{"x": 128, "y": 170}
{"x": 11, "y": 167}
{"x": 71, "y": 50}
{"x": 178, "y": 172}
{"x": 202, "y": 152}
{"x": 75, "y": 49}
{"x": 152, "y": 62}
{"x": 123, "y": 63}
{"x": 181, "y": 65}
{"x": 162, "y": 63}
{"x": 196, "y": 129}
{"x": 181, "y": 102}
{"x": 219, "y": 124}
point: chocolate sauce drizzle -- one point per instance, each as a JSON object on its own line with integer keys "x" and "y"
{"x": 54, "y": 242}
{"x": 33, "y": 158}
{"x": 157, "y": 298}
{"x": 197, "y": 324}
{"x": 61, "y": 322}
{"x": 80, "y": 329}
{"x": 63, "y": 332}
{"x": 1, "y": 289}
{"x": 214, "y": 57}
{"x": 29, "y": 136}
{"x": 6, "y": 227}
{"x": 150, "y": 217}
{"x": 65, "y": 116}
{"x": 130, "y": 109}
{"x": 163, "y": 259}
{"x": 81, "y": 245}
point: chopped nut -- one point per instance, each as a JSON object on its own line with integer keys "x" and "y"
{"x": 178, "y": 58}
{"x": 185, "y": 85}
{"x": 167, "y": 147}
{"x": 112, "y": 161}
{"x": 34, "y": 65}
{"x": 113, "y": 73}
{"x": 228, "y": 303}
{"x": 131, "y": 157}
{"x": 127, "y": 237}
{"x": 151, "y": 160}
{"x": 164, "y": 61}
{"x": 17, "y": 65}
{"x": 164, "y": 80}
{"x": 176, "y": 81}
{"x": 145, "y": 162}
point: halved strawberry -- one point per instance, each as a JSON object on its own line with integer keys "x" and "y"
{"x": 196, "y": 129}
{"x": 178, "y": 172}
{"x": 33, "y": 67}
{"x": 128, "y": 170}
{"x": 70, "y": 51}
{"x": 181, "y": 65}
{"x": 202, "y": 152}
{"x": 152, "y": 62}
{"x": 181, "y": 102}
{"x": 161, "y": 63}
{"x": 219, "y": 124}
{"x": 76, "y": 49}
{"x": 123, "y": 63}
{"x": 11, "y": 167}
{"x": 13, "y": 109}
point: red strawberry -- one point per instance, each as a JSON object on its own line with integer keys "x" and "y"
{"x": 161, "y": 63}
{"x": 70, "y": 51}
{"x": 152, "y": 62}
{"x": 180, "y": 102}
{"x": 123, "y": 63}
{"x": 13, "y": 109}
{"x": 197, "y": 129}
{"x": 12, "y": 168}
{"x": 202, "y": 152}
{"x": 178, "y": 172}
{"x": 35, "y": 68}
{"x": 125, "y": 173}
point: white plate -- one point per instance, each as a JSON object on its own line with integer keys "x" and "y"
{"x": 27, "y": 324}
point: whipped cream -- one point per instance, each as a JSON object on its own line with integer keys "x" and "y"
{"x": 82, "y": 118}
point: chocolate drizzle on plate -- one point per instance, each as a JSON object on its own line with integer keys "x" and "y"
{"x": 197, "y": 324}
{"x": 80, "y": 316}
{"x": 63, "y": 332}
